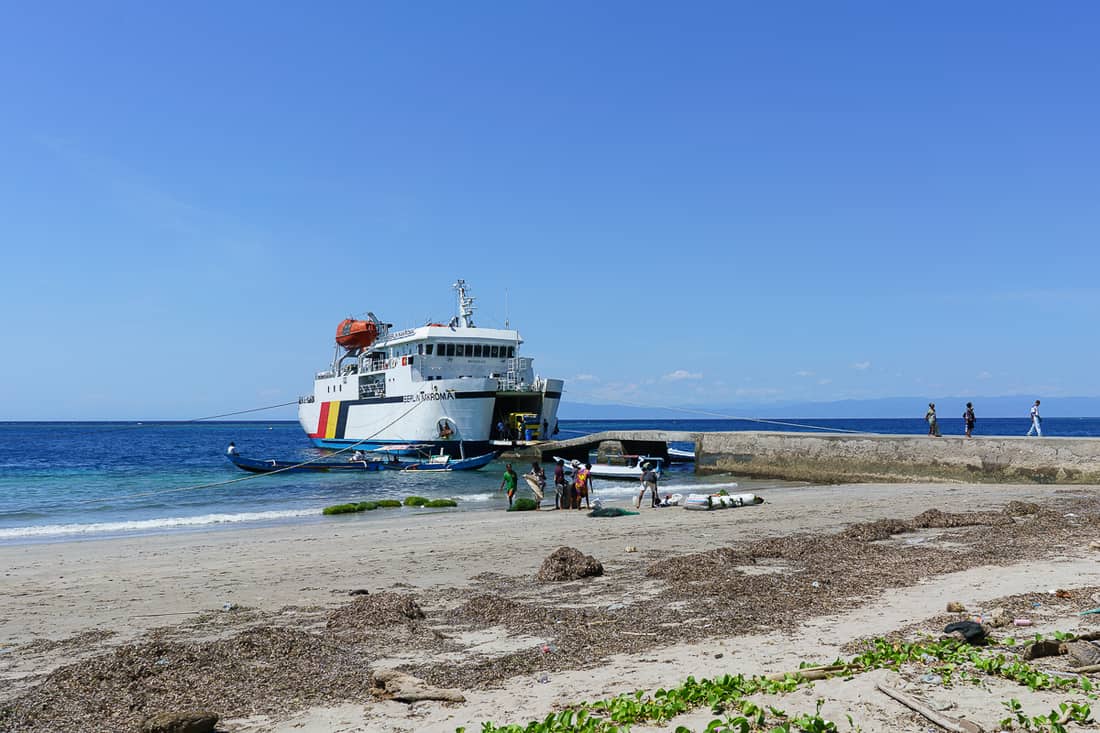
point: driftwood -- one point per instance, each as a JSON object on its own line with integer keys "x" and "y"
{"x": 1085, "y": 670}
{"x": 811, "y": 673}
{"x": 389, "y": 683}
{"x": 946, "y": 722}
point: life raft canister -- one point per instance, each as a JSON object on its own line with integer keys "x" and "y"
{"x": 353, "y": 334}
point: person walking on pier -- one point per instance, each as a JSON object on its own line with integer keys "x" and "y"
{"x": 1036, "y": 422}
{"x": 933, "y": 425}
{"x": 968, "y": 418}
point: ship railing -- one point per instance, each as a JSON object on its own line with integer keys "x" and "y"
{"x": 305, "y": 399}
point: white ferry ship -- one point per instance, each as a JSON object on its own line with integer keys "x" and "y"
{"x": 450, "y": 386}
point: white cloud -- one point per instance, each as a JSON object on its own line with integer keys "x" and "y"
{"x": 862, "y": 365}
{"x": 586, "y": 378}
{"x": 803, "y": 373}
{"x": 681, "y": 374}
{"x": 758, "y": 392}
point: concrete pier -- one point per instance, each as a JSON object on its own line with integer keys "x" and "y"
{"x": 845, "y": 458}
{"x": 838, "y": 458}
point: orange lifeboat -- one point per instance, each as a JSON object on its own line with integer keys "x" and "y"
{"x": 353, "y": 334}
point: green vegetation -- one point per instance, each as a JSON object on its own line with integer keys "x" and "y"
{"x": 728, "y": 695}
{"x": 341, "y": 509}
{"x": 415, "y": 501}
{"x": 363, "y": 506}
{"x": 388, "y": 503}
{"x": 523, "y": 504}
{"x": 441, "y": 503}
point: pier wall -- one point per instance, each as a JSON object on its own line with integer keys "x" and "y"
{"x": 836, "y": 458}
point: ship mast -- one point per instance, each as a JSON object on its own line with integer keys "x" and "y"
{"x": 465, "y": 305}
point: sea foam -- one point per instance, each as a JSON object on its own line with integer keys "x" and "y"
{"x": 147, "y": 525}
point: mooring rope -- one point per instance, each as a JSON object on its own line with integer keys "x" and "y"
{"x": 251, "y": 476}
{"x": 626, "y": 403}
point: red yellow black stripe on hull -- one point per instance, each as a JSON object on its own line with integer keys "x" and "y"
{"x": 332, "y": 421}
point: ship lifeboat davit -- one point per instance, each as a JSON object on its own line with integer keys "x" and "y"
{"x": 353, "y": 334}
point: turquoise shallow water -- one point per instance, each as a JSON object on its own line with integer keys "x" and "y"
{"x": 69, "y": 481}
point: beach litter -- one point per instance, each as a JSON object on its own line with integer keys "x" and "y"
{"x": 971, "y": 631}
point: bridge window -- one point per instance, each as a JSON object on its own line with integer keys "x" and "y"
{"x": 450, "y": 349}
{"x": 428, "y": 349}
{"x": 511, "y": 352}
{"x": 477, "y": 350}
{"x": 469, "y": 349}
{"x": 494, "y": 352}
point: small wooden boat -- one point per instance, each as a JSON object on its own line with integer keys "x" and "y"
{"x": 445, "y": 463}
{"x": 254, "y": 465}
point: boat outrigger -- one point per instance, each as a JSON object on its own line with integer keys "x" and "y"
{"x": 438, "y": 462}
{"x": 254, "y": 465}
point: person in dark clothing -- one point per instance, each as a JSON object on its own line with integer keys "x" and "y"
{"x": 968, "y": 418}
{"x": 562, "y": 498}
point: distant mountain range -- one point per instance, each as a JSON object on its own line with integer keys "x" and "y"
{"x": 883, "y": 407}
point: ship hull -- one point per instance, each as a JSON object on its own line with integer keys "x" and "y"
{"x": 466, "y": 410}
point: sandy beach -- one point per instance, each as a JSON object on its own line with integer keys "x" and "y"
{"x": 186, "y": 609}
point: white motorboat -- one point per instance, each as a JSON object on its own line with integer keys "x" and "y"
{"x": 633, "y": 470}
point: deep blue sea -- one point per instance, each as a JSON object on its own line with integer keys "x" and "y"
{"x": 81, "y": 480}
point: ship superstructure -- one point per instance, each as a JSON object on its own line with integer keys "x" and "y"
{"x": 449, "y": 385}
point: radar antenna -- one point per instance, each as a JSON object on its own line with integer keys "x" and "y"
{"x": 465, "y": 305}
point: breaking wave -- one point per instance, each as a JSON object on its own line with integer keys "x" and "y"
{"x": 43, "y": 531}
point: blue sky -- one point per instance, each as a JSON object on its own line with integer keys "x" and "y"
{"x": 691, "y": 204}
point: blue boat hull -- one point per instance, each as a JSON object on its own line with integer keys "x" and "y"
{"x": 253, "y": 465}
{"x": 455, "y": 464}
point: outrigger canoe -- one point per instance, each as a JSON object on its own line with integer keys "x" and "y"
{"x": 446, "y": 463}
{"x": 434, "y": 463}
{"x": 253, "y": 465}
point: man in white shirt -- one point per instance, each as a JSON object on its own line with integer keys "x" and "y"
{"x": 231, "y": 450}
{"x": 1036, "y": 421}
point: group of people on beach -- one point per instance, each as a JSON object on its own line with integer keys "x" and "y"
{"x": 568, "y": 491}
{"x": 969, "y": 419}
